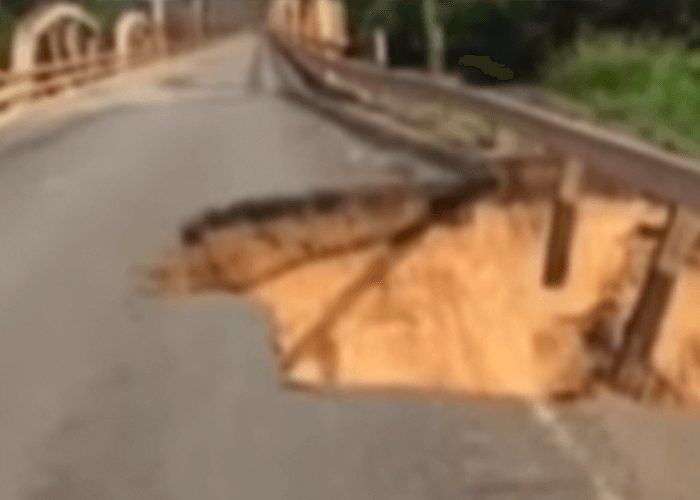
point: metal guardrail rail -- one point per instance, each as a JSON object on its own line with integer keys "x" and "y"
{"x": 672, "y": 178}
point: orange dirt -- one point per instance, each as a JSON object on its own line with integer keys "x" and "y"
{"x": 463, "y": 311}
{"x": 677, "y": 356}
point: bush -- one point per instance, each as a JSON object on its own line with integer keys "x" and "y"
{"x": 511, "y": 32}
{"x": 519, "y": 34}
{"x": 650, "y": 85}
{"x": 645, "y": 76}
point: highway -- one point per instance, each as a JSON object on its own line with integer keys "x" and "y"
{"x": 110, "y": 391}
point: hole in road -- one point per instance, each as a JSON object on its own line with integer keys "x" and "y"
{"x": 437, "y": 288}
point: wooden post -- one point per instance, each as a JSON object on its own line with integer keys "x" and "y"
{"x": 381, "y": 48}
{"x": 563, "y": 225}
{"x": 435, "y": 38}
{"x": 633, "y": 368}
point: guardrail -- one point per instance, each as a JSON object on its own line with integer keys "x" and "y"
{"x": 672, "y": 179}
{"x": 664, "y": 175}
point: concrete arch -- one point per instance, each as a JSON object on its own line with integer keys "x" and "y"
{"x": 52, "y": 21}
{"x": 132, "y": 29}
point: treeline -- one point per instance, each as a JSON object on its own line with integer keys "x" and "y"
{"x": 633, "y": 63}
{"x": 522, "y": 34}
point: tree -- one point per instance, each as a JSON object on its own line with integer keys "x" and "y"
{"x": 519, "y": 33}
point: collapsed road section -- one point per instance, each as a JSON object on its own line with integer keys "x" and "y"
{"x": 438, "y": 288}
{"x": 531, "y": 281}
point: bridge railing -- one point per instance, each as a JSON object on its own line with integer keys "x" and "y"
{"x": 51, "y": 78}
{"x": 136, "y": 40}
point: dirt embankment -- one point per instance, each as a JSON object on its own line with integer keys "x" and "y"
{"x": 463, "y": 309}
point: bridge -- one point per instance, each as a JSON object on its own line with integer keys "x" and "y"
{"x": 145, "y": 169}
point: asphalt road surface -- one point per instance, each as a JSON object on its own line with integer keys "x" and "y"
{"x": 110, "y": 392}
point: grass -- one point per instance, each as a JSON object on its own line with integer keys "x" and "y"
{"x": 650, "y": 86}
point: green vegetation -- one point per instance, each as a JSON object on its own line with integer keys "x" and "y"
{"x": 107, "y": 12}
{"x": 515, "y": 33}
{"x": 650, "y": 85}
{"x": 632, "y": 62}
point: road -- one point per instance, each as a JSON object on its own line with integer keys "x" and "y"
{"x": 108, "y": 391}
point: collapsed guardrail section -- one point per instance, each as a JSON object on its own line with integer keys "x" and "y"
{"x": 437, "y": 287}
{"x": 587, "y": 149}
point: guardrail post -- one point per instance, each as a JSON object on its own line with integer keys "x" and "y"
{"x": 562, "y": 225}
{"x": 645, "y": 324}
{"x": 381, "y": 48}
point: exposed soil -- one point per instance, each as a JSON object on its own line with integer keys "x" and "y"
{"x": 464, "y": 311}
{"x": 460, "y": 308}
